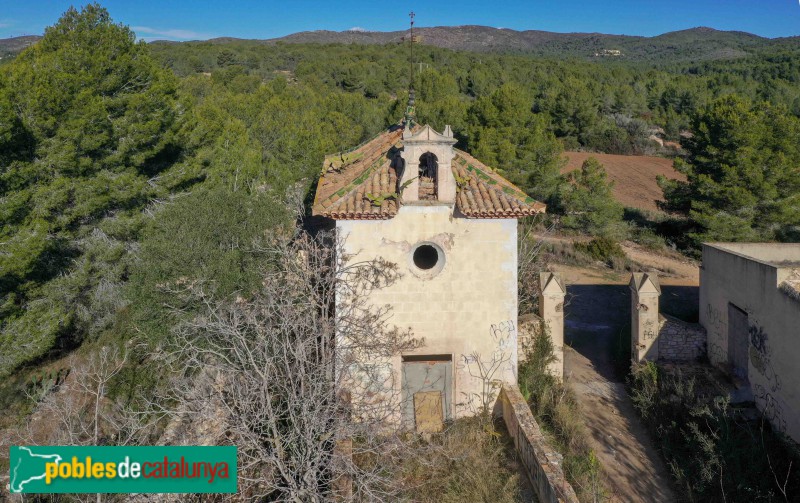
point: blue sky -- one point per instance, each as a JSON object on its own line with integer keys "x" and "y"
{"x": 198, "y": 19}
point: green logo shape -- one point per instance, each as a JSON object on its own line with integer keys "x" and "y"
{"x": 113, "y": 469}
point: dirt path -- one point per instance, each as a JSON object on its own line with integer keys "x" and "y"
{"x": 597, "y": 320}
{"x": 595, "y": 317}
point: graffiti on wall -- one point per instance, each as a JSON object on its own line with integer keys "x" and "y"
{"x": 716, "y": 353}
{"x": 761, "y": 356}
{"x": 649, "y": 330}
{"x": 503, "y": 333}
{"x": 717, "y": 327}
{"x": 758, "y": 338}
{"x": 771, "y": 407}
{"x": 714, "y": 317}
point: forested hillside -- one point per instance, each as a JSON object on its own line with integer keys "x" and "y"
{"x": 129, "y": 171}
{"x": 691, "y": 45}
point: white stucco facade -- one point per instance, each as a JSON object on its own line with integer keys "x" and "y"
{"x": 465, "y": 307}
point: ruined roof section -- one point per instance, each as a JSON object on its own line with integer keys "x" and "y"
{"x": 356, "y": 205}
{"x": 482, "y": 193}
{"x": 347, "y": 178}
{"x": 361, "y": 185}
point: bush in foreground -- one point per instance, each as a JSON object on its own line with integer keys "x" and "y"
{"x": 469, "y": 461}
{"x": 714, "y": 452}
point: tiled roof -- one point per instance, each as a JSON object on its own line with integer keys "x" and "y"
{"x": 482, "y": 193}
{"x": 345, "y": 176}
{"x": 358, "y": 185}
{"x": 357, "y": 206}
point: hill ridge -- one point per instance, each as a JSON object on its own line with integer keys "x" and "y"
{"x": 696, "y": 43}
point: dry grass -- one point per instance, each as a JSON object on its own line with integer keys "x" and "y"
{"x": 557, "y": 411}
{"x": 472, "y": 460}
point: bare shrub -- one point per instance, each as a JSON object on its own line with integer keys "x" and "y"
{"x": 621, "y": 264}
{"x": 79, "y": 411}
{"x": 566, "y": 253}
{"x": 300, "y": 372}
{"x": 531, "y": 259}
{"x": 704, "y": 439}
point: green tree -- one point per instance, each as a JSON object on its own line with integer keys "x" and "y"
{"x": 226, "y": 57}
{"x": 504, "y": 132}
{"x": 573, "y": 111}
{"x": 588, "y": 203}
{"x": 743, "y": 173}
{"x": 222, "y": 256}
{"x": 89, "y": 139}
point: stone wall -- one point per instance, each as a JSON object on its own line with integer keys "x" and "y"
{"x": 656, "y": 336}
{"x": 541, "y": 461}
{"x": 679, "y": 340}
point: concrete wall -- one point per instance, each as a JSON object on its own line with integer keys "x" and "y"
{"x": 541, "y": 461}
{"x": 468, "y": 309}
{"x": 768, "y": 253}
{"x": 743, "y": 275}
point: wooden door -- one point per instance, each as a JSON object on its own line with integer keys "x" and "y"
{"x": 427, "y": 392}
{"x": 428, "y": 411}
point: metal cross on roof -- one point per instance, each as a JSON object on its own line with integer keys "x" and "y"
{"x": 410, "y": 109}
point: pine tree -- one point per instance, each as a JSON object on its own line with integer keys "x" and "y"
{"x": 588, "y": 203}
{"x": 743, "y": 173}
{"x": 90, "y": 131}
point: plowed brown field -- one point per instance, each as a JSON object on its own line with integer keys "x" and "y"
{"x": 634, "y": 176}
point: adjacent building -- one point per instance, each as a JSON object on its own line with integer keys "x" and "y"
{"x": 750, "y": 308}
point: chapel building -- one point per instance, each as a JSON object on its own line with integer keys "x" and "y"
{"x": 450, "y": 223}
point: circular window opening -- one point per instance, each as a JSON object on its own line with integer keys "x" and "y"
{"x": 426, "y": 257}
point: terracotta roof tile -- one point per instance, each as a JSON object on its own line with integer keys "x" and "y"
{"x": 357, "y": 185}
{"x": 342, "y": 173}
{"x": 482, "y": 193}
{"x": 357, "y": 206}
